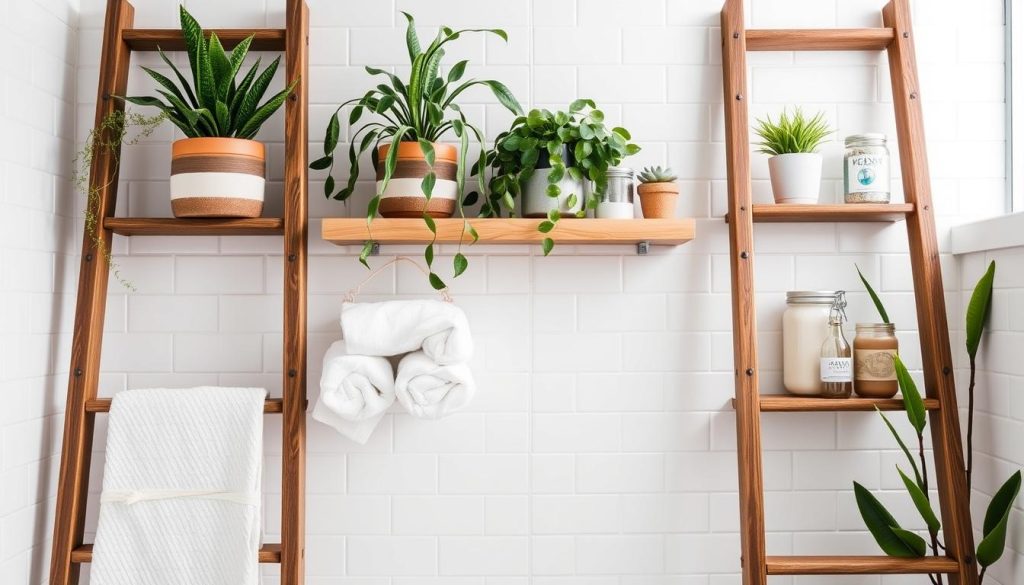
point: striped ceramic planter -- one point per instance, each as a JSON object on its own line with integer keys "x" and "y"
{"x": 217, "y": 177}
{"x": 404, "y": 194}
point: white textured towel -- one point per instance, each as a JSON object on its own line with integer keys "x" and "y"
{"x": 355, "y": 392}
{"x": 395, "y": 327}
{"x": 181, "y": 488}
{"x": 431, "y": 390}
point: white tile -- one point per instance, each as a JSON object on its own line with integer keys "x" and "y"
{"x": 391, "y": 555}
{"x": 392, "y": 474}
{"x": 484, "y": 474}
{"x": 577, "y": 514}
{"x": 429, "y": 515}
{"x": 598, "y": 555}
{"x": 491, "y": 555}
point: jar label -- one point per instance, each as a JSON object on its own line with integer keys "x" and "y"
{"x": 867, "y": 173}
{"x": 836, "y": 369}
{"x": 875, "y": 365}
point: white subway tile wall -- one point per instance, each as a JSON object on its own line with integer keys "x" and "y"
{"x": 601, "y": 446}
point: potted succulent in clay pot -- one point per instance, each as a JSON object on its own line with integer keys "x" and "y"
{"x": 549, "y": 159}
{"x": 794, "y": 166}
{"x": 218, "y": 169}
{"x": 658, "y": 192}
{"x": 417, "y": 176}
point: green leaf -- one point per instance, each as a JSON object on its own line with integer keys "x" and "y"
{"x": 504, "y": 96}
{"x": 457, "y": 71}
{"x": 220, "y": 66}
{"x": 238, "y": 54}
{"x": 545, "y": 226}
{"x": 461, "y": 263}
{"x": 206, "y": 88}
{"x": 913, "y": 541}
{"x": 577, "y": 105}
{"x": 328, "y": 186}
{"x": 427, "y": 184}
{"x": 471, "y": 198}
{"x": 547, "y": 245}
{"x": 473, "y": 233}
{"x": 874, "y": 297}
{"x": 428, "y": 151}
{"x": 167, "y": 83}
{"x": 920, "y": 499}
{"x": 554, "y": 215}
{"x": 436, "y": 282}
{"x": 912, "y": 401}
{"x": 431, "y": 224}
{"x": 997, "y": 517}
{"x": 571, "y": 201}
{"x": 978, "y": 309}
{"x": 181, "y": 79}
{"x": 223, "y": 117}
{"x": 553, "y": 190}
{"x": 255, "y": 94}
{"x": 365, "y": 253}
{"x": 903, "y": 446}
{"x": 252, "y": 126}
{"x": 428, "y": 255}
{"x": 882, "y": 525}
{"x": 194, "y": 41}
{"x": 372, "y": 207}
{"x": 412, "y": 41}
{"x": 333, "y": 131}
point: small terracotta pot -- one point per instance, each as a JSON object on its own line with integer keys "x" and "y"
{"x": 217, "y": 177}
{"x": 658, "y": 200}
{"x": 404, "y": 194}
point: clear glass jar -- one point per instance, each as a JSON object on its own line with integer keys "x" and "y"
{"x": 804, "y": 328}
{"x": 866, "y": 169}
{"x": 836, "y": 354}
{"x": 617, "y": 200}
{"x": 874, "y": 350}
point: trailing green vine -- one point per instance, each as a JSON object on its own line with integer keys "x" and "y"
{"x": 109, "y": 136}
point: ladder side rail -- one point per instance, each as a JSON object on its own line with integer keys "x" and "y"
{"x": 931, "y": 307}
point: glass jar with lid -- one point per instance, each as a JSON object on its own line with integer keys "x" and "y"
{"x": 866, "y": 169}
{"x": 617, "y": 200}
{"x": 874, "y": 352}
{"x": 804, "y": 328}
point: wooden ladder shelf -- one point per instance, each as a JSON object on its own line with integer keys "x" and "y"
{"x": 83, "y": 403}
{"x": 896, "y": 37}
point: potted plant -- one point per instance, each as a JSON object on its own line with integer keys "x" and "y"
{"x": 416, "y": 175}
{"x": 218, "y": 170}
{"x": 547, "y": 159}
{"x": 658, "y": 192}
{"x": 794, "y": 166}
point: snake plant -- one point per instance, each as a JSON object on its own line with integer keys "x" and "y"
{"x": 214, "y": 102}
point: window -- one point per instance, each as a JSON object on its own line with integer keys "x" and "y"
{"x": 1014, "y": 106}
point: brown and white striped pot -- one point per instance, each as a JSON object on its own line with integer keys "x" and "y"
{"x": 217, "y": 177}
{"x": 404, "y": 195}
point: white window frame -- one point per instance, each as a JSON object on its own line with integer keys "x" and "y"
{"x": 1014, "y": 106}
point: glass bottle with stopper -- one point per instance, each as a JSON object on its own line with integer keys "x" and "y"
{"x": 836, "y": 354}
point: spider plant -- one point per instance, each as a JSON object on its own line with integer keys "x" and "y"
{"x": 421, "y": 108}
{"x": 792, "y": 133}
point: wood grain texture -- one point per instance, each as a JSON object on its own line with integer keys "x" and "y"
{"x": 296, "y": 218}
{"x": 170, "y": 39}
{"x": 800, "y": 213}
{"x": 837, "y": 39}
{"x": 345, "y": 231}
{"x": 785, "y": 403}
{"x": 268, "y": 553}
{"x": 858, "y": 565}
{"x": 169, "y": 226}
{"x": 271, "y": 406}
{"x": 744, "y": 321}
{"x": 937, "y": 361}
{"x": 73, "y": 481}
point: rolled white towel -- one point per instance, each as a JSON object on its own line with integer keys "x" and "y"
{"x": 355, "y": 392}
{"x": 431, "y": 390}
{"x": 392, "y": 328}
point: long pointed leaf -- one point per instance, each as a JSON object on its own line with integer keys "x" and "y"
{"x": 181, "y": 79}
{"x": 997, "y": 517}
{"x": 240, "y": 92}
{"x": 220, "y": 66}
{"x": 912, "y": 400}
{"x": 165, "y": 82}
{"x": 412, "y": 41}
{"x": 194, "y": 43}
{"x": 252, "y": 126}
{"x": 903, "y": 446}
{"x": 874, "y": 297}
{"x": 207, "y": 89}
{"x": 255, "y": 94}
{"x": 504, "y": 96}
{"x": 978, "y": 309}
{"x": 881, "y": 524}
{"x": 920, "y": 499}
{"x": 238, "y": 55}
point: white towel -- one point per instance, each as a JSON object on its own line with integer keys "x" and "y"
{"x": 355, "y": 392}
{"x": 181, "y": 488}
{"x": 395, "y": 327}
{"x": 431, "y": 390}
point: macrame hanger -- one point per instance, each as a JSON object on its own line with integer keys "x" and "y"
{"x": 350, "y": 296}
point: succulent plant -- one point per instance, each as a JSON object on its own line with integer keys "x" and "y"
{"x": 657, "y": 175}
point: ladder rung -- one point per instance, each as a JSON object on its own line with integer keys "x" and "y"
{"x": 849, "y": 212}
{"x": 853, "y": 565}
{"x": 836, "y": 39}
{"x": 269, "y": 553}
{"x": 170, "y": 39}
{"x": 169, "y": 226}
{"x": 272, "y": 405}
{"x": 785, "y": 403}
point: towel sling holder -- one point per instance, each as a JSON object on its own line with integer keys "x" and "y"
{"x": 353, "y": 293}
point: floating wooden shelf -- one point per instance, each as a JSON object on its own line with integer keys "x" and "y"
{"x": 170, "y": 39}
{"x": 272, "y": 405}
{"x": 837, "y": 39}
{"x": 269, "y": 553}
{"x": 788, "y": 403}
{"x": 799, "y": 213}
{"x": 169, "y": 226}
{"x": 858, "y": 565}
{"x": 669, "y": 232}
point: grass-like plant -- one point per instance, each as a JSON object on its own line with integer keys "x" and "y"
{"x": 214, "y": 103}
{"x": 892, "y": 538}
{"x": 793, "y": 133}
{"x": 420, "y": 108}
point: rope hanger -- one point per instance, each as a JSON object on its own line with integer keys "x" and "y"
{"x": 350, "y": 296}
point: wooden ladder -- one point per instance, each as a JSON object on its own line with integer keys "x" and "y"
{"x": 83, "y": 404}
{"x": 897, "y": 38}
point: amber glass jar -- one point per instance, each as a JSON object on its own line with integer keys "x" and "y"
{"x": 874, "y": 351}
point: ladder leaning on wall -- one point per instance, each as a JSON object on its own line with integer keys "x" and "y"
{"x": 83, "y": 404}
{"x": 895, "y": 37}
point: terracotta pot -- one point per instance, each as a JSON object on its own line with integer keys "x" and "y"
{"x": 217, "y": 177}
{"x": 658, "y": 200}
{"x": 796, "y": 177}
{"x": 404, "y": 195}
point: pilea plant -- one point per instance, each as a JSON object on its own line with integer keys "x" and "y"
{"x": 575, "y": 143}
{"x": 421, "y": 109}
{"x": 116, "y": 129}
{"x": 893, "y": 539}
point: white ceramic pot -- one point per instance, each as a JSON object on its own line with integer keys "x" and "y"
{"x": 537, "y": 202}
{"x": 796, "y": 177}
